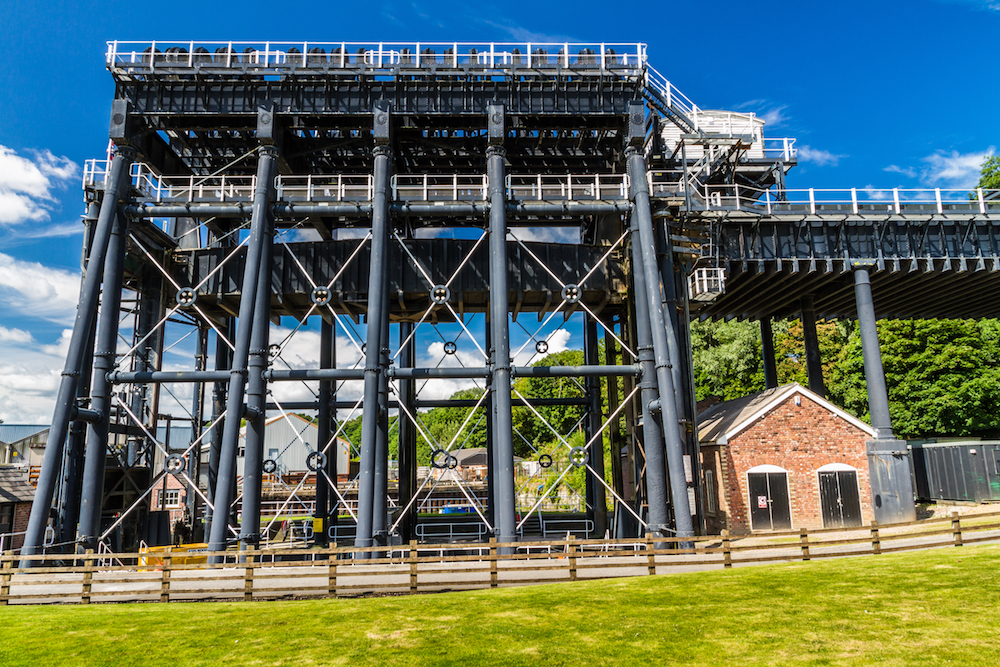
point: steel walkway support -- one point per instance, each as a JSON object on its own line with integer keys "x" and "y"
{"x": 644, "y": 255}
{"x": 814, "y": 362}
{"x": 596, "y": 496}
{"x": 256, "y": 413}
{"x": 92, "y": 491}
{"x": 327, "y": 359}
{"x": 888, "y": 466}
{"x": 504, "y": 494}
{"x": 376, "y": 321}
{"x": 407, "y": 435}
{"x": 266, "y": 168}
{"x": 117, "y": 187}
{"x": 767, "y": 354}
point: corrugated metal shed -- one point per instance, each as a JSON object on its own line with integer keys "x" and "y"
{"x": 14, "y": 485}
{"x": 960, "y": 471}
{"x": 14, "y": 432}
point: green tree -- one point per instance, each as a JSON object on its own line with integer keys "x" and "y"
{"x": 562, "y": 417}
{"x": 943, "y": 376}
{"x": 989, "y": 175}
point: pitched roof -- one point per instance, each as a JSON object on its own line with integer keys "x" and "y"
{"x": 15, "y": 432}
{"x": 726, "y": 420}
{"x": 14, "y": 485}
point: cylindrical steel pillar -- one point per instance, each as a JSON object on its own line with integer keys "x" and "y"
{"x": 596, "y": 495}
{"x": 407, "y": 435}
{"x": 253, "y": 457}
{"x": 104, "y": 360}
{"x": 767, "y": 354}
{"x": 644, "y": 257}
{"x": 503, "y": 425}
{"x": 323, "y": 433}
{"x": 373, "y": 357}
{"x": 117, "y": 187}
{"x": 234, "y": 402}
{"x": 878, "y": 395}
{"x": 814, "y": 363}
{"x": 198, "y": 412}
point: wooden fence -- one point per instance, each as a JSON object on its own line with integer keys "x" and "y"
{"x": 273, "y": 573}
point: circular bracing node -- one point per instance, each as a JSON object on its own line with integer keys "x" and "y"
{"x": 440, "y": 294}
{"x": 320, "y": 296}
{"x": 316, "y": 461}
{"x": 571, "y": 293}
{"x": 440, "y": 459}
{"x": 174, "y": 464}
{"x": 273, "y": 350}
{"x": 186, "y": 296}
{"x": 452, "y": 462}
{"x": 578, "y": 457}
{"x": 542, "y": 346}
{"x": 450, "y": 348}
{"x": 270, "y": 465}
{"x": 545, "y": 461}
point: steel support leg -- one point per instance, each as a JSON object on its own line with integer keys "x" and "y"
{"x": 253, "y": 460}
{"x": 878, "y": 395}
{"x": 407, "y": 435}
{"x": 104, "y": 360}
{"x": 644, "y": 256}
{"x": 234, "y": 402}
{"x": 503, "y": 427}
{"x": 373, "y": 357}
{"x": 595, "y": 420}
{"x": 323, "y": 432}
{"x": 197, "y": 411}
{"x": 223, "y": 362}
{"x": 814, "y": 363}
{"x": 379, "y": 515}
{"x": 118, "y": 181}
{"x": 767, "y": 354}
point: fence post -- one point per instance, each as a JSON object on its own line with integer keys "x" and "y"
{"x": 165, "y": 576}
{"x": 651, "y": 558}
{"x": 88, "y": 576}
{"x": 248, "y": 577}
{"x": 494, "y": 579}
{"x": 412, "y": 558}
{"x": 727, "y": 554}
{"x": 956, "y": 529}
{"x": 5, "y": 576}
{"x": 331, "y": 583}
{"x": 571, "y": 552}
{"x": 804, "y": 541}
{"x": 876, "y": 542}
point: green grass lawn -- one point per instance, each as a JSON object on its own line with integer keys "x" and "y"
{"x": 939, "y": 607}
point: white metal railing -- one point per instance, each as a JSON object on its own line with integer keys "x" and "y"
{"x": 853, "y": 200}
{"x": 779, "y": 147}
{"x": 569, "y": 187}
{"x": 338, "y": 187}
{"x": 127, "y": 56}
{"x": 439, "y": 187}
{"x": 706, "y": 284}
{"x": 671, "y": 95}
{"x": 452, "y": 530}
{"x": 727, "y": 122}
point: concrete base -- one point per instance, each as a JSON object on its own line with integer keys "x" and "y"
{"x": 891, "y": 481}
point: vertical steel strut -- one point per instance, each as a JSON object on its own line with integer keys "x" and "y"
{"x": 117, "y": 187}
{"x": 814, "y": 363}
{"x": 377, "y": 285}
{"x": 878, "y": 395}
{"x": 259, "y": 225}
{"x": 323, "y": 431}
{"x": 767, "y": 353}
{"x": 645, "y": 258}
{"x": 503, "y": 427}
{"x": 104, "y": 360}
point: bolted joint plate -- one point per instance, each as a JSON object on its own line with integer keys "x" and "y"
{"x": 496, "y": 121}
{"x": 267, "y": 125}
{"x": 381, "y": 122}
{"x": 636, "y": 124}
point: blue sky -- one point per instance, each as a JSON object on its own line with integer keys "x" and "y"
{"x": 878, "y": 93}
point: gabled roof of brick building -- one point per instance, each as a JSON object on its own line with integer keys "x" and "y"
{"x": 14, "y": 485}
{"x": 723, "y": 421}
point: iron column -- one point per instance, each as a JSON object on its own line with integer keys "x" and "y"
{"x": 374, "y": 322}
{"x": 238, "y": 374}
{"x": 662, "y": 329}
{"x": 595, "y": 490}
{"x": 407, "y": 434}
{"x": 767, "y": 353}
{"x": 503, "y": 443}
{"x": 323, "y": 431}
{"x": 814, "y": 364}
{"x": 253, "y": 456}
{"x": 878, "y": 395}
{"x": 117, "y": 186}
{"x": 104, "y": 360}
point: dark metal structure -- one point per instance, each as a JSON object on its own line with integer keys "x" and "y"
{"x": 449, "y": 192}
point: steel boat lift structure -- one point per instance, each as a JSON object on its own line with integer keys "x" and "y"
{"x": 417, "y": 188}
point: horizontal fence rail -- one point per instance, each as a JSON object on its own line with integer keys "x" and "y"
{"x": 174, "y": 575}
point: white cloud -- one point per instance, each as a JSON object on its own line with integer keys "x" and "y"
{"x": 521, "y": 34}
{"x": 775, "y": 117}
{"x": 14, "y": 335}
{"x": 29, "y": 376}
{"x": 943, "y": 169}
{"x": 26, "y": 184}
{"x": 981, "y": 5}
{"x": 33, "y": 289}
{"x": 569, "y": 235}
{"x": 818, "y": 156}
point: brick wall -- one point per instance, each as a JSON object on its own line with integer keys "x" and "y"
{"x": 176, "y": 511}
{"x": 800, "y": 439}
{"x": 21, "y": 512}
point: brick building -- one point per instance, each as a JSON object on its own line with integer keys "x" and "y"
{"x": 16, "y": 494}
{"x": 782, "y": 459}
